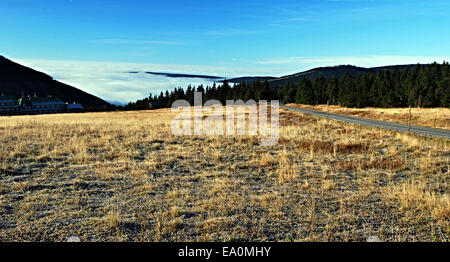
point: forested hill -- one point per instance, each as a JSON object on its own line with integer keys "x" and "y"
{"x": 332, "y": 71}
{"x": 16, "y": 79}
{"x": 393, "y": 86}
{"x": 411, "y": 85}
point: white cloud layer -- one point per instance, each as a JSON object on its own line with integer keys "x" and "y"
{"x": 112, "y": 82}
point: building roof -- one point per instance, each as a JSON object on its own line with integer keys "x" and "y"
{"x": 74, "y": 106}
{"x": 40, "y": 101}
{"x": 46, "y": 101}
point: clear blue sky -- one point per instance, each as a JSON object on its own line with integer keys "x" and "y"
{"x": 206, "y": 32}
{"x": 273, "y": 37}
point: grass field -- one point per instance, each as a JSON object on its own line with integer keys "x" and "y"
{"x": 426, "y": 117}
{"x": 122, "y": 176}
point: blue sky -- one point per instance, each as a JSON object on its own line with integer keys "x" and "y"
{"x": 228, "y": 38}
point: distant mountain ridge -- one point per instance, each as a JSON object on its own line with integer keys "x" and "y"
{"x": 180, "y": 75}
{"x": 326, "y": 72}
{"x": 16, "y": 79}
{"x": 250, "y": 79}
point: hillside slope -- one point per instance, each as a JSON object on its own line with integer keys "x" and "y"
{"x": 332, "y": 71}
{"x": 327, "y": 72}
{"x": 16, "y": 79}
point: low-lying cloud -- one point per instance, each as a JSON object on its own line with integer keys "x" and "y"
{"x": 114, "y": 82}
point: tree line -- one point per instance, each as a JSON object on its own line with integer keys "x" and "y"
{"x": 420, "y": 86}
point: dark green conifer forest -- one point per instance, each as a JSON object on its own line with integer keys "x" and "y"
{"x": 421, "y": 86}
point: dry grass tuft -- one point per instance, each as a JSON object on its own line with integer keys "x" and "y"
{"x": 383, "y": 163}
{"x": 328, "y": 185}
{"x": 416, "y": 195}
{"x": 328, "y": 147}
{"x": 287, "y": 171}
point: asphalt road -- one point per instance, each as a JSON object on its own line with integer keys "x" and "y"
{"x": 374, "y": 123}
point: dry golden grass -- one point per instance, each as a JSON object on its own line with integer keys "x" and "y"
{"x": 417, "y": 196}
{"x": 426, "y": 117}
{"x": 122, "y": 176}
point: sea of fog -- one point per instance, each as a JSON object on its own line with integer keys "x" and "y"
{"x": 120, "y": 83}
{"x": 126, "y": 87}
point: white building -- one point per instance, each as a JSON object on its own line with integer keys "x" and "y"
{"x": 42, "y": 105}
{"x": 8, "y": 105}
